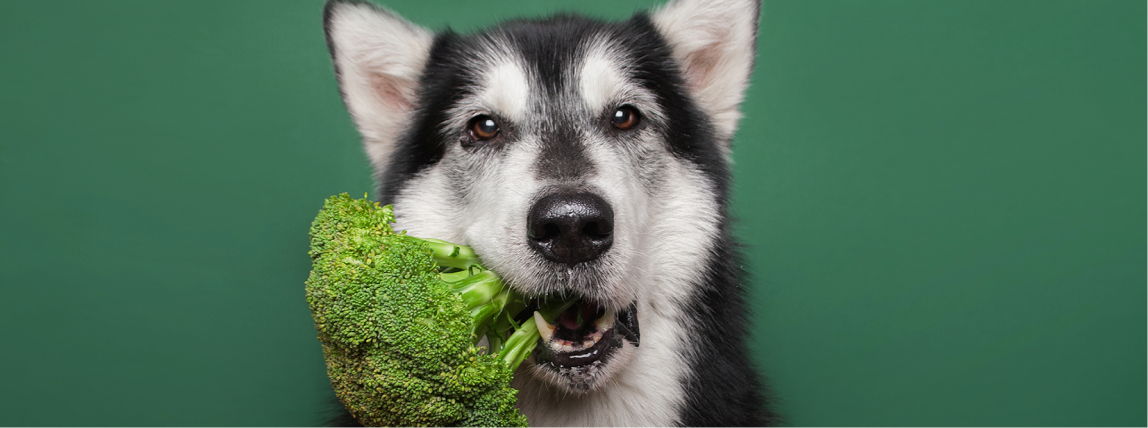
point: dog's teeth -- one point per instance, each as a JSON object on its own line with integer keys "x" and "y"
{"x": 544, "y": 328}
{"x": 561, "y": 346}
{"x": 606, "y": 322}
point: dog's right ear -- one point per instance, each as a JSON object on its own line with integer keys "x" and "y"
{"x": 379, "y": 59}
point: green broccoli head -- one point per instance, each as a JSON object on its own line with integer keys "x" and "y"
{"x": 399, "y": 318}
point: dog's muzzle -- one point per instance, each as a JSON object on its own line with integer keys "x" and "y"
{"x": 574, "y": 229}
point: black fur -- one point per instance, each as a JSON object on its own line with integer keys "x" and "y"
{"x": 563, "y": 157}
{"x": 545, "y": 44}
{"x": 443, "y": 85}
{"x": 723, "y": 389}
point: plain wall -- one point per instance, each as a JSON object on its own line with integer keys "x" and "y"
{"x": 943, "y": 204}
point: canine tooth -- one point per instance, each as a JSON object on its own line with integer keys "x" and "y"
{"x": 606, "y": 322}
{"x": 544, "y": 328}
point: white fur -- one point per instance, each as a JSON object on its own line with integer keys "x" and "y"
{"x": 507, "y": 90}
{"x": 646, "y": 383}
{"x": 429, "y": 214}
{"x": 604, "y": 82}
{"x": 657, "y": 258}
{"x": 666, "y": 213}
{"x": 600, "y": 81}
{"x": 503, "y": 88}
{"x": 714, "y": 42}
{"x": 380, "y": 59}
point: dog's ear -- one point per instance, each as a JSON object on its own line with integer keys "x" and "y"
{"x": 379, "y": 59}
{"x": 714, "y": 42}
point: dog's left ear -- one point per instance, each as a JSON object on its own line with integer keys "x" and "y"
{"x": 714, "y": 42}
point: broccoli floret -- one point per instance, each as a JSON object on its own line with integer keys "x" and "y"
{"x": 400, "y": 318}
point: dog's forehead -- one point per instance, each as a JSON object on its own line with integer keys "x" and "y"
{"x": 543, "y": 63}
{"x": 601, "y": 77}
{"x": 505, "y": 89}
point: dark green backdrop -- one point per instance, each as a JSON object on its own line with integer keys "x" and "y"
{"x": 944, "y": 204}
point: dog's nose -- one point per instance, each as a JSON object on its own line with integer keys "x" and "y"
{"x": 571, "y": 228}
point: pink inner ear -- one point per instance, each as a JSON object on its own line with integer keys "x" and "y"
{"x": 700, "y": 63}
{"x": 390, "y": 89}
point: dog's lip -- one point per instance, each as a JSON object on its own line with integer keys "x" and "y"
{"x": 579, "y": 357}
{"x": 567, "y": 343}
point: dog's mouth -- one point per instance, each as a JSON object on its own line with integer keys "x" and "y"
{"x": 585, "y": 335}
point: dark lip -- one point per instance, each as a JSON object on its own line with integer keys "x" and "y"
{"x": 625, "y": 328}
{"x": 560, "y": 360}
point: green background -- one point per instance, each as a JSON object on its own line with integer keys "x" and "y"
{"x": 944, "y": 204}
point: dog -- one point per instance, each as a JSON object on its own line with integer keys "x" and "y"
{"x": 583, "y": 158}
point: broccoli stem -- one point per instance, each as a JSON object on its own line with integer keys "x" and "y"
{"x": 451, "y": 255}
{"x": 482, "y": 291}
{"x": 491, "y": 303}
{"x": 519, "y": 345}
{"x": 476, "y": 289}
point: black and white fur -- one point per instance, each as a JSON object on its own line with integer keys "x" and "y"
{"x": 551, "y": 85}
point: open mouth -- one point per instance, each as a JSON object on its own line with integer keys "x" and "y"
{"x": 584, "y": 334}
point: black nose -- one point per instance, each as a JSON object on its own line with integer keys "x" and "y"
{"x": 571, "y": 228}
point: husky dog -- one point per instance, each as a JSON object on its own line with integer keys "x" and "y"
{"x": 583, "y": 158}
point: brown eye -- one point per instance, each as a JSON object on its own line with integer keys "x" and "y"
{"x": 483, "y": 128}
{"x": 625, "y": 118}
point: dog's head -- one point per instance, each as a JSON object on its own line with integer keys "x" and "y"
{"x": 577, "y": 157}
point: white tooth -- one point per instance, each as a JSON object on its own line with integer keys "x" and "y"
{"x": 544, "y": 328}
{"x": 606, "y": 322}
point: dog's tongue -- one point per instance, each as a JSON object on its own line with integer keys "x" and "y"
{"x": 569, "y": 319}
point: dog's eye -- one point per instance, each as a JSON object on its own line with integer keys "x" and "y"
{"x": 483, "y": 127}
{"x": 625, "y": 117}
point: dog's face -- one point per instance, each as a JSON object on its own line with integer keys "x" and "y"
{"x": 577, "y": 158}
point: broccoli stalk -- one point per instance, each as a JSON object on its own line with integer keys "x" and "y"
{"x": 491, "y": 303}
{"x": 400, "y": 319}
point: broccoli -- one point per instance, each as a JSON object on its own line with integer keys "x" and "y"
{"x": 400, "y": 319}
